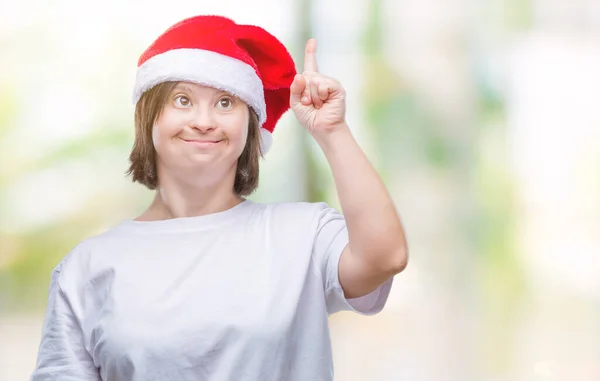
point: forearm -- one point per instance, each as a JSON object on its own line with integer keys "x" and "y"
{"x": 375, "y": 231}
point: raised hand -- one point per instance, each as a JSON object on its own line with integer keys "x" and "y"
{"x": 319, "y": 102}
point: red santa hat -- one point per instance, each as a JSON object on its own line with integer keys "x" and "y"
{"x": 244, "y": 60}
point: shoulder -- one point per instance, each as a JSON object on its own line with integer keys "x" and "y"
{"x": 294, "y": 211}
{"x": 293, "y": 206}
{"x": 296, "y": 218}
{"x": 83, "y": 257}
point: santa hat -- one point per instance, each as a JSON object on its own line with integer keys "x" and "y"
{"x": 244, "y": 60}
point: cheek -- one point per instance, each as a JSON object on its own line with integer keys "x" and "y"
{"x": 158, "y": 137}
{"x": 239, "y": 135}
{"x": 155, "y": 135}
{"x": 164, "y": 129}
{"x": 243, "y": 136}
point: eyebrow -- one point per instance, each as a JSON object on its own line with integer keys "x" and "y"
{"x": 185, "y": 87}
{"x": 181, "y": 86}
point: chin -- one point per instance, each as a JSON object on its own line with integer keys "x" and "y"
{"x": 205, "y": 160}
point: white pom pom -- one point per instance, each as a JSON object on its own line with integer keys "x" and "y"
{"x": 266, "y": 140}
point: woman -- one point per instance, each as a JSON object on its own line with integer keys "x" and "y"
{"x": 206, "y": 285}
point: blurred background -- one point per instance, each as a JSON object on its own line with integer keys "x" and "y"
{"x": 483, "y": 118}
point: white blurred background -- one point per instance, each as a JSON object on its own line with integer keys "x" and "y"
{"x": 483, "y": 118}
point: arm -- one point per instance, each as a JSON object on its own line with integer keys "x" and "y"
{"x": 62, "y": 354}
{"x": 377, "y": 247}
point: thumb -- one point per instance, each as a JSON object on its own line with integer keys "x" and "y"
{"x": 296, "y": 89}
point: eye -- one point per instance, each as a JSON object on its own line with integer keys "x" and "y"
{"x": 182, "y": 101}
{"x": 225, "y": 103}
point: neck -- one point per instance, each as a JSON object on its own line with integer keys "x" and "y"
{"x": 176, "y": 198}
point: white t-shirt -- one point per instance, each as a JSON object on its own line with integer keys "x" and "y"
{"x": 240, "y": 295}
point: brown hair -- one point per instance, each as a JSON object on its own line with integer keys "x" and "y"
{"x": 142, "y": 159}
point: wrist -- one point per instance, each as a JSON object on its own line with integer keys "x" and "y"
{"x": 333, "y": 135}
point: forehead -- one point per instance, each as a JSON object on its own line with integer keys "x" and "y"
{"x": 197, "y": 88}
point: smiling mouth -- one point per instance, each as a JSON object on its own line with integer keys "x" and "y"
{"x": 202, "y": 142}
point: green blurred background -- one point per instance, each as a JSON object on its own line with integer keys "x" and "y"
{"x": 482, "y": 117}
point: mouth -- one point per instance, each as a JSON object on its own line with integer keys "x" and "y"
{"x": 202, "y": 142}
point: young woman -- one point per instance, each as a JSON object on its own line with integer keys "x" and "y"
{"x": 205, "y": 284}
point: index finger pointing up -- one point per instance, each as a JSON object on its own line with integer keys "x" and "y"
{"x": 310, "y": 56}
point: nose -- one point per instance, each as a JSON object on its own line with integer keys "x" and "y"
{"x": 203, "y": 120}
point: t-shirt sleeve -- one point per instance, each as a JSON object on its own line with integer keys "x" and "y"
{"x": 62, "y": 355}
{"x": 330, "y": 241}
